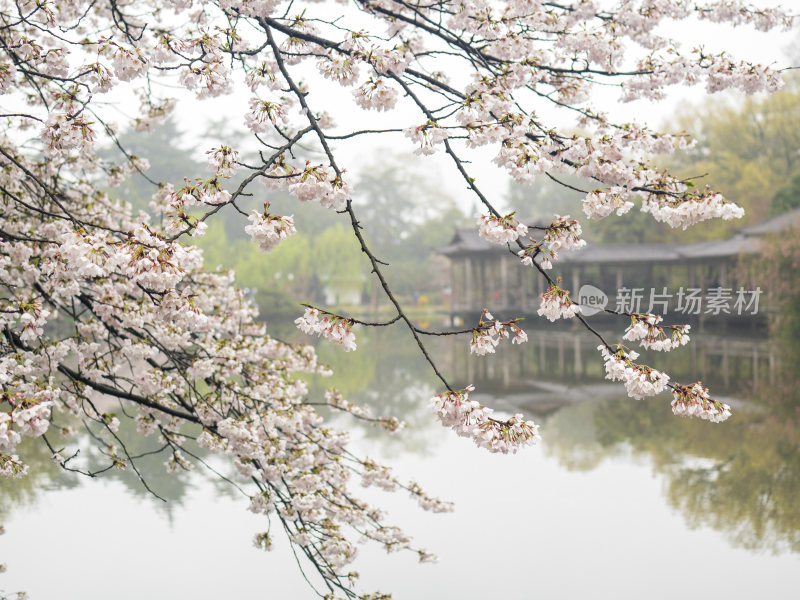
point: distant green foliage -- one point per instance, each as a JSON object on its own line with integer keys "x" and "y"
{"x": 297, "y": 270}
{"x": 787, "y": 197}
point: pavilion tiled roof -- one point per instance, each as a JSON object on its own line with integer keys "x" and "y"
{"x": 466, "y": 241}
{"x": 775, "y": 224}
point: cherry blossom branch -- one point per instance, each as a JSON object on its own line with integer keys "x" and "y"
{"x": 349, "y": 209}
{"x": 97, "y": 301}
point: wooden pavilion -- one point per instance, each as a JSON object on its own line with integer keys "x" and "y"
{"x": 485, "y": 275}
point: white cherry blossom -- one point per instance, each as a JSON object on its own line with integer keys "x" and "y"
{"x": 500, "y": 230}
{"x": 333, "y": 327}
{"x": 693, "y": 401}
{"x": 469, "y": 418}
{"x": 556, "y": 304}
{"x": 268, "y": 231}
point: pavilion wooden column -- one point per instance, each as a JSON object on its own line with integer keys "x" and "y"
{"x": 542, "y": 356}
{"x": 453, "y": 284}
{"x": 467, "y": 283}
{"x": 538, "y": 281}
{"x": 504, "y": 303}
{"x": 702, "y": 319}
{"x": 755, "y": 368}
{"x": 725, "y": 365}
{"x": 576, "y": 280}
{"x": 480, "y": 284}
{"x": 772, "y": 366}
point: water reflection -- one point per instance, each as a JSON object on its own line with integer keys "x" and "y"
{"x": 398, "y": 383}
{"x": 726, "y": 364}
{"x": 168, "y": 493}
{"x": 740, "y": 478}
{"x": 43, "y": 474}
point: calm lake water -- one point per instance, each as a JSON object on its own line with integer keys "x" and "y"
{"x": 620, "y": 499}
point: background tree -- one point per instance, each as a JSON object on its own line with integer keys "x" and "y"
{"x": 406, "y": 237}
{"x": 786, "y": 198}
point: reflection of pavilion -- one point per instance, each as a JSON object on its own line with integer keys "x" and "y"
{"x": 484, "y": 275}
{"x": 556, "y": 365}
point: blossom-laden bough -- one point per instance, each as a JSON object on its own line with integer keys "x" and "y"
{"x": 103, "y": 303}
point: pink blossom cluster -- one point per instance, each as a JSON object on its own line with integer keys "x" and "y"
{"x": 501, "y": 230}
{"x": 128, "y": 64}
{"x": 9, "y": 437}
{"x": 387, "y": 61}
{"x": 490, "y": 331}
{"x": 64, "y": 133}
{"x": 264, "y": 73}
{"x": 534, "y": 249}
{"x": 640, "y": 380}
{"x": 265, "y": 115}
{"x": 526, "y": 256}
{"x": 598, "y": 204}
{"x": 317, "y": 183}
{"x": 693, "y": 401}
{"x": 175, "y": 203}
{"x": 268, "y": 230}
{"x": 693, "y": 210}
{"x": 427, "y": 137}
{"x": 209, "y": 75}
{"x": 375, "y": 94}
{"x": 563, "y": 234}
{"x": 30, "y": 419}
{"x": 646, "y": 328}
{"x": 468, "y": 418}
{"x": 100, "y": 78}
{"x": 32, "y": 316}
{"x": 340, "y": 68}
{"x": 556, "y": 304}
{"x": 11, "y": 467}
{"x": 222, "y": 160}
{"x": 332, "y": 327}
